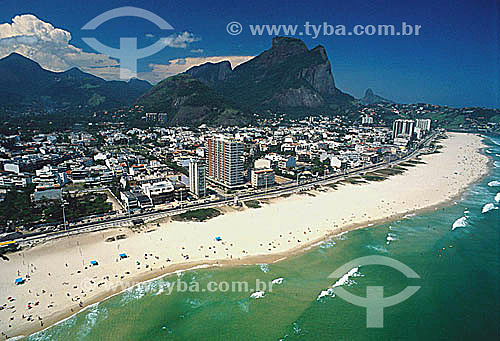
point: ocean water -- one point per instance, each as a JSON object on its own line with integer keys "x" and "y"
{"x": 454, "y": 249}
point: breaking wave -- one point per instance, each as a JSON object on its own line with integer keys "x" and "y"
{"x": 344, "y": 280}
{"x": 488, "y": 207}
{"x": 258, "y": 294}
{"x": 390, "y": 237}
{"x": 460, "y": 222}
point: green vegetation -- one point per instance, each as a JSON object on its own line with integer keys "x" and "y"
{"x": 390, "y": 171}
{"x": 177, "y": 168}
{"x": 272, "y": 80}
{"x": 96, "y": 100}
{"x": 374, "y": 177}
{"x": 407, "y": 164}
{"x": 417, "y": 162}
{"x": 252, "y": 204}
{"x": 355, "y": 180}
{"x": 190, "y": 102}
{"x": 19, "y": 208}
{"x": 202, "y": 214}
{"x": 88, "y": 204}
{"x": 68, "y": 91}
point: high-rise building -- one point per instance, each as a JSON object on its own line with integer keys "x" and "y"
{"x": 424, "y": 124}
{"x": 197, "y": 185}
{"x": 403, "y": 128}
{"x": 224, "y": 161}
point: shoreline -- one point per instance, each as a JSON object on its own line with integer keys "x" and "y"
{"x": 140, "y": 278}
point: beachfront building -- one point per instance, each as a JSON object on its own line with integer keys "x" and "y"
{"x": 424, "y": 124}
{"x": 403, "y": 128}
{"x": 197, "y": 185}
{"x": 135, "y": 199}
{"x": 181, "y": 191}
{"x": 225, "y": 161}
{"x": 159, "y": 192}
{"x": 262, "y": 177}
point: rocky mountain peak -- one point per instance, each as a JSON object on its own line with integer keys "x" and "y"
{"x": 286, "y": 77}
{"x": 210, "y": 73}
{"x": 289, "y": 43}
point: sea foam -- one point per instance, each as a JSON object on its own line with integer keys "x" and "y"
{"x": 460, "y": 222}
{"x": 91, "y": 318}
{"x": 377, "y": 248}
{"x": 327, "y": 244}
{"x": 488, "y": 207}
{"x": 494, "y": 183}
{"x": 344, "y": 280}
{"x": 258, "y": 294}
{"x": 264, "y": 267}
{"x": 342, "y": 235}
{"x": 277, "y": 280}
{"x": 390, "y": 237}
{"x": 497, "y": 197}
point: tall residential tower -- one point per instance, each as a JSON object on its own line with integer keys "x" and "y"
{"x": 197, "y": 185}
{"x": 225, "y": 161}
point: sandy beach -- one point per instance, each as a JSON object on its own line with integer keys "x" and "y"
{"x": 62, "y": 280}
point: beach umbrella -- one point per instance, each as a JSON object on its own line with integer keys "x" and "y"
{"x": 218, "y": 239}
{"x": 123, "y": 255}
{"x": 93, "y": 262}
{"x": 19, "y": 280}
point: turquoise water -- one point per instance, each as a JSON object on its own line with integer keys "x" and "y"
{"x": 458, "y": 299}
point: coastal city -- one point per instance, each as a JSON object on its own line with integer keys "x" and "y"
{"x": 131, "y": 171}
{"x": 249, "y": 170}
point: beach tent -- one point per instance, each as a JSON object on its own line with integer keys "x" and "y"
{"x": 93, "y": 262}
{"x": 19, "y": 280}
{"x": 123, "y": 255}
{"x": 218, "y": 239}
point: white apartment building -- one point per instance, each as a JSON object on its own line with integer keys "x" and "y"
{"x": 197, "y": 183}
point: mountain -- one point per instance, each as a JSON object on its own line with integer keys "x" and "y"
{"x": 288, "y": 77}
{"x": 211, "y": 73}
{"x": 25, "y": 84}
{"x": 371, "y": 98}
{"x": 190, "y": 102}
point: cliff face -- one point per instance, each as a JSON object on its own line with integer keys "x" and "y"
{"x": 211, "y": 73}
{"x": 287, "y": 77}
{"x": 320, "y": 75}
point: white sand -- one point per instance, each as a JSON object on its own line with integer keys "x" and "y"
{"x": 283, "y": 226}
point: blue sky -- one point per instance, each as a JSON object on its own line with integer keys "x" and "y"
{"x": 453, "y": 61}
